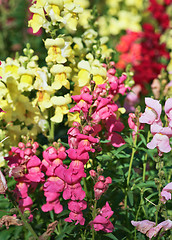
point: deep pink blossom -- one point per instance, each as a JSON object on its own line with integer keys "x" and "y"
{"x": 101, "y": 221}
{"x": 76, "y": 214}
{"x": 101, "y": 186}
{"x": 73, "y": 192}
{"x": 53, "y": 203}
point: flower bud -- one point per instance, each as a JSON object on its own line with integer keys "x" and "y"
{"x": 21, "y": 145}
{"x": 93, "y": 173}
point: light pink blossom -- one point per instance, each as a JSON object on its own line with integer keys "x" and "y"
{"x": 152, "y": 112}
{"x": 168, "y": 110}
{"x": 166, "y": 193}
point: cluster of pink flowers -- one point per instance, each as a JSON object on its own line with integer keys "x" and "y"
{"x": 161, "y": 134}
{"x": 101, "y": 221}
{"x": 101, "y": 183}
{"x": 99, "y": 110}
{"x": 25, "y": 168}
{"x": 147, "y": 227}
{"x": 66, "y": 180}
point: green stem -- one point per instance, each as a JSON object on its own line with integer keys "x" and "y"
{"x": 129, "y": 170}
{"x": 145, "y": 159}
{"x": 159, "y": 189}
{"x": 85, "y": 187}
{"x": 27, "y": 225}
{"x": 52, "y": 130}
{"x": 59, "y": 227}
{"x": 94, "y": 215}
{"x": 25, "y": 221}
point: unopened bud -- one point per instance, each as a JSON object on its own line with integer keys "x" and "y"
{"x": 21, "y": 145}
{"x": 93, "y": 173}
{"x": 101, "y": 178}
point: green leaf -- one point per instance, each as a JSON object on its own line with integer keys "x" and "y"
{"x": 115, "y": 152}
{"x": 143, "y": 139}
{"x": 146, "y": 184}
{"x": 122, "y": 228}
{"x": 67, "y": 229}
{"x": 130, "y": 197}
{"x": 123, "y": 155}
{"x": 111, "y": 236}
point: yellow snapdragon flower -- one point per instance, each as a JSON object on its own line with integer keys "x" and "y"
{"x": 38, "y": 20}
{"x": 61, "y": 108}
{"x": 59, "y": 50}
{"x": 44, "y": 90}
{"x": 86, "y": 68}
{"x": 26, "y": 79}
{"x": 61, "y": 74}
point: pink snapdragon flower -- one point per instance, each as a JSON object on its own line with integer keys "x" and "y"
{"x": 143, "y": 226}
{"x": 168, "y": 110}
{"x": 160, "y": 138}
{"x": 76, "y": 214}
{"x": 50, "y": 154}
{"x": 53, "y": 158}
{"x": 72, "y": 135}
{"x": 86, "y": 143}
{"x": 152, "y": 112}
{"x": 114, "y": 126}
{"x": 100, "y": 90}
{"x": 116, "y": 84}
{"x": 147, "y": 227}
{"x": 165, "y": 225}
{"x": 84, "y": 101}
{"x": 132, "y": 124}
{"x": 132, "y": 98}
{"x": 52, "y": 202}
{"x": 101, "y": 221}
{"x": 101, "y": 186}
{"x": 55, "y": 184}
{"x": 105, "y": 108}
{"x": 78, "y": 154}
{"x": 166, "y": 193}
{"x": 74, "y": 192}
{"x": 25, "y": 167}
{"x": 25, "y": 205}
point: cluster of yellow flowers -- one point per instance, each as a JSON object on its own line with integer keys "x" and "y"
{"x": 121, "y": 15}
{"x": 20, "y": 114}
{"x": 34, "y": 98}
{"x": 57, "y": 13}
